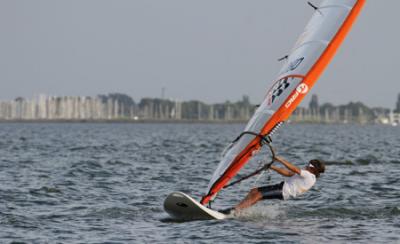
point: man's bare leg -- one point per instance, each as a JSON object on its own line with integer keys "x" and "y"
{"x": 252, "y": 198}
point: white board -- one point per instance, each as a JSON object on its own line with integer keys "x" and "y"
{"x": 182, "y": 207}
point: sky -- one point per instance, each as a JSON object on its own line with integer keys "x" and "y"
{"x": 208, "y": 50}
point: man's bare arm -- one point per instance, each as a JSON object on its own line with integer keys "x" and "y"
{"x": 282, "y": 171}
{"x": 288, "y": 165}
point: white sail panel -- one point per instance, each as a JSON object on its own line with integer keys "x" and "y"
{"x": 317, "y": 35}
{"x": 308, "y": 50}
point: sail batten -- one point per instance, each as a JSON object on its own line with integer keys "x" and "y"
{"x": 311, "y": 54}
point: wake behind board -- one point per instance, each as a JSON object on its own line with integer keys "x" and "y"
{"x": 182, "y": 207}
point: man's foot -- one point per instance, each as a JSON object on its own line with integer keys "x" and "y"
{"x": 226, "y": 211}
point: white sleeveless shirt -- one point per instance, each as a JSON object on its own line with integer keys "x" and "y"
{"x": 298, "y": 184}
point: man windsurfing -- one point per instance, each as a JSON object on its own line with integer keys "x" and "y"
{"x": 298, "y": 182}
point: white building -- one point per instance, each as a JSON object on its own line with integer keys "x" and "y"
{"x": 395, "y": 118}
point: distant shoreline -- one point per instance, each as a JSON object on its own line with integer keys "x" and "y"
{"x": 153, "y": 121}
{"x": 120, "y": 108}
{"x": 127, "y": 121}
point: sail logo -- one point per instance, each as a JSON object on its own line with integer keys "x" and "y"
{"x": 300, "y": 89}
{"x": 278, "y": 88}
{"x": 293, "y": 65}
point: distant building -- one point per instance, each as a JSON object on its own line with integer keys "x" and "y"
{"x": 382, "y": 115}
{"x": 395, "y": 119}
{"x": 314, "y": 109}
{"x": 314, "y": 105}
{"x": 395, "y": 115}
{"x": 397, "y": 110}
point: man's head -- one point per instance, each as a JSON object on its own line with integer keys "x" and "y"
{"x": 316, "y": 167}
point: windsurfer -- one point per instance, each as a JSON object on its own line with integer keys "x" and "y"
{"x": 298, "y": 182}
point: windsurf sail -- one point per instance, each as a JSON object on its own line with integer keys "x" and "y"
{"x": 311, "y": 54}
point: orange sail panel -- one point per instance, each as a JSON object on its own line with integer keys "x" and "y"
{"x": 311, "y": 54}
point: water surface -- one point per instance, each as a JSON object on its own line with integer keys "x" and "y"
{"x": 105, "y": 183}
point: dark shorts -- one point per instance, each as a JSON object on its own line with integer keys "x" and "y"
{"x": 272, "y": 191}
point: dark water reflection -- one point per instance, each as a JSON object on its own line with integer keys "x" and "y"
{"x": 96, "y": 183}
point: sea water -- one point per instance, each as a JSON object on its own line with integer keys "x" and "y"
{"x": 106, "y": 183}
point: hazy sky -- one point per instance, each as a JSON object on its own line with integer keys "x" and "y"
{"x": 211, "y": 50}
